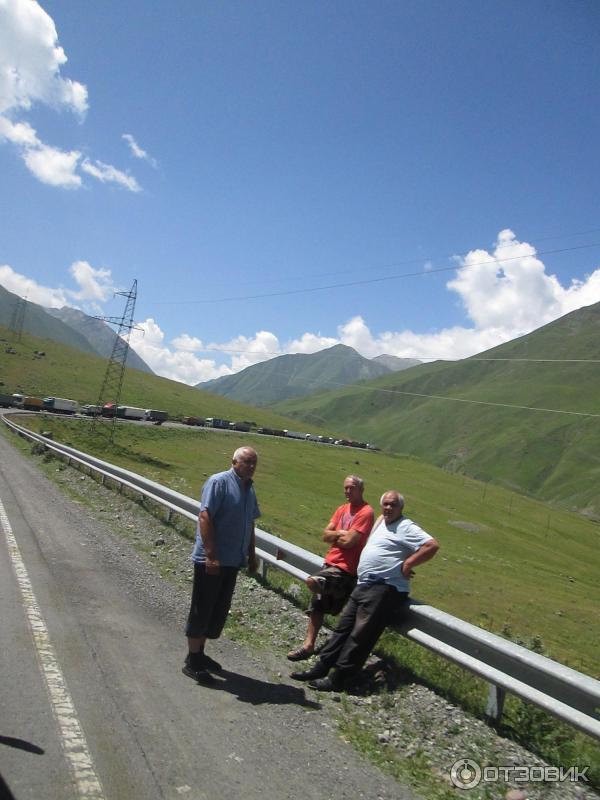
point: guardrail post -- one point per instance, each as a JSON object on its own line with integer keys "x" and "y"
{"x": 495, "y": 703}
{"x": 262, "y": 568}
{"x": 168, "y": 516}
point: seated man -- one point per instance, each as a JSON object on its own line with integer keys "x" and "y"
{"x": 347, "y": 534}
{"x": 395, "y": 546}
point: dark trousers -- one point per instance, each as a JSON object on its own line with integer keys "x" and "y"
{"x": 211, "y": 601}
{"x": 368, "y": 611}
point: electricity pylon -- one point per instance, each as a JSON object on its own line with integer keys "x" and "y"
{"x": 112, "y": 384}
{"x": 18, "y": 318}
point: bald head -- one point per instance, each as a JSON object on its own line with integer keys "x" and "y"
{"x": 244, "y": 462}
{"x": 392, "y": 504}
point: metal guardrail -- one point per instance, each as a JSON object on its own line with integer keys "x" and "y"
{"x": 506, "y": 666}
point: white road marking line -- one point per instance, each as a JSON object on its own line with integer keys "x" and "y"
{"x": 72, "y": 737}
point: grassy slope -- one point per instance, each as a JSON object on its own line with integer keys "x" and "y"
{"x": 66, "y": 372}
{"x": 506, "y": 561}
{"x": 553, "y": 456}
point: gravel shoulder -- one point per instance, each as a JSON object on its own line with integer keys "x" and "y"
{"x": 412, "y": 734}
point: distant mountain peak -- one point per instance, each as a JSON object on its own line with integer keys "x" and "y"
{"x": 394, "y": 363}
{"x": 296, "y": 375}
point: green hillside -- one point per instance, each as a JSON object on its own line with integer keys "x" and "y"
{"x": 295, "y": 375}
{"x": 67, "y": 372}
{"x": 553, "y": 456}
{"x": 507, "y": 562}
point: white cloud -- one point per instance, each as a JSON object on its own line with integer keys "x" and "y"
{"x": 310, "y": 343}
{"x": 509, "y": 290}
{"x": 33, "y": 291}
{"x": 137, "y": 151}
{"x": 109, "y": 174}
{"x": 251, "y": 350}
{"x": 30, "y": 61}
{"x": 94, "y": 284}
{"x": 190, "y": 344}
{"x": 52, "y": 166}
{"x": 20, "y": 133}
{"x": 178, "y": 365}
{"x": 30, "y": 73}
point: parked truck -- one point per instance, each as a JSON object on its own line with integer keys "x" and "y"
{"x": 6, "y": 400}
{"x": 217, "y": 422}
{"x": 32, "y": 403}
{"x": 193, "y": 421}
{"x": 153, "y": 415}
{"x": 295, "y": 434}
{"x": 91, "y": 410}
{"x": 130, "y": 412}
{"x": 61, "y": 405}
{"x": 240, "y": 426}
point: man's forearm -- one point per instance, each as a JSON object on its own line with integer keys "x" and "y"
{"x": 423, "y": 554}
{"x": 207, "y": 534}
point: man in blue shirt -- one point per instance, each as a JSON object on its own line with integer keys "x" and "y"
{"x": 224, "y": 543}
{"x": 395, "y": 546}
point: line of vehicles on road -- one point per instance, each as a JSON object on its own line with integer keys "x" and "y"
{"x": 226, "y": 424}
{"x": 63, "y": 405}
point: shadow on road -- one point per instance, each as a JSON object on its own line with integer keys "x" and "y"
{"x": 21, "y": 744}
{"x": 5, "y": 792}
{"x": 251, "y": 690}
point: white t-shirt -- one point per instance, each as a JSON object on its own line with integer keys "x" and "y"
{"x": 385, "y": 551}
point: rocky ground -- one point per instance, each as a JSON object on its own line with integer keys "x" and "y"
{"x": 406, "y": 728}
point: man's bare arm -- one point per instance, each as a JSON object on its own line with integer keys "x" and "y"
{"x": 252, "y": 562}
{"x": 420, "y": 556}
{"x": 207, "y": 533}
{"x": 345, "y": 540}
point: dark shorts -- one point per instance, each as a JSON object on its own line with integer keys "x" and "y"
{"x": 211, "y": 601}
{"x": 337, "y": 589}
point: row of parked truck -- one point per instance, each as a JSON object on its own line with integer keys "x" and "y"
{"x": 226, "y": 424}
{"x": 63, "y": 405}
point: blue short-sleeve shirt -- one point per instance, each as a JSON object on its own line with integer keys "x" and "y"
{"x": 386, "y": 548}
{"x": 232, "y": 507}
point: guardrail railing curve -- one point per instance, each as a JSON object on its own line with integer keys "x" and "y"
{"x": 506, "y": 666}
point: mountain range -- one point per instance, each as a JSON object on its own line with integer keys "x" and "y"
{"x": 525, "y": 414}
{"x": 67, "y": 326}
{"x": 301, "y": 374}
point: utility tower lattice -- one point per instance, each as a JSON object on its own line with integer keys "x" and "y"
{"x": 18, "y": 318}
{"x": 115, "y": 369}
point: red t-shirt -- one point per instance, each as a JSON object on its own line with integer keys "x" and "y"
{"x": 359, "y": 518}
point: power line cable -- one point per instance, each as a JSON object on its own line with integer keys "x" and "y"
{"x": 463, "y": 400}
{"x": 420, "y": 260}
{"x": 346, "y": 284}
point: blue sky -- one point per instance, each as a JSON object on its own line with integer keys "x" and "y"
{"x": 251, "y": 151}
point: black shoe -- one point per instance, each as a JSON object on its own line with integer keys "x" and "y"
{"x": 318, "y": 671}
{"x": 326, "y": 684}
{"x": 206, "y": 662}
{"x": 198, "y": 674}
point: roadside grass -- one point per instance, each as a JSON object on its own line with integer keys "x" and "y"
{"x": 406, "y": 662}
{"x": 506, "y": 562}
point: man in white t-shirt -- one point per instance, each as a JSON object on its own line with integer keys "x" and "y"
{"x": 395, "y": 547}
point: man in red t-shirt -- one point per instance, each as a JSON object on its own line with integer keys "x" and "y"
{"x": 347, "y": 533}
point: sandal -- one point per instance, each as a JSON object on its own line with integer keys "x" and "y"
{"x": 300, "y": 654}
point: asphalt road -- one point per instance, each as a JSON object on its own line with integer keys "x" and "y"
{"x": 95, "y": 705}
